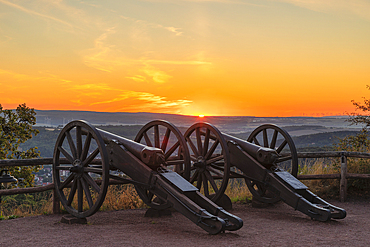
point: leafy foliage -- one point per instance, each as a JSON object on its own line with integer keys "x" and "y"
{"x": 15, "y": 129}
{"x": 26, "y": 204}
{"x": 364, "y": 118}
{"x": 358, "y": 143}
{"x": 355, "y": 143}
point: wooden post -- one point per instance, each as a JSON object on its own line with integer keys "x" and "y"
{"x": 56, "y": 203}
{"x": 343, "y": 178}
{"x": 56, "y": 200}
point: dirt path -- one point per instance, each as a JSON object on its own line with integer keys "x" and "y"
{"x": 278, "y": 225}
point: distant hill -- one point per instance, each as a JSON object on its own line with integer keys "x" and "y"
{"x": 307, "y": 132}
{"x": 321, "y": 140}
{"x": 236, "y": 124}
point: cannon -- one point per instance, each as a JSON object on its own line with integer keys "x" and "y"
{"x": 86, "y": 160}
{"x": 267, "y": 161}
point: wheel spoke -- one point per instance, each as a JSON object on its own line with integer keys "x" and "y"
{"x": 195, "y": 176}
{"x": 93, "y": 170}
{"x": 282, "y": 159}
{"x": 67, "y": 181}
{"x": 281, "y": 147}
{"x": 211, "y": 150}
{"x": 211, "y": 181}
{"x": 92, "y": 183}
{"x": 78, "y": 141}
{"x": 274, "y": 138}
{"x": 156, "y": 136}
{"x": 72, "y": 193}
{"x": 174, "y": 158}
{"x": 199, "y": 180}
{"x": 175, "y": 162}
{"x": 147, "y": 140}
{"x": 85, "y": 187}
{"x": 199, "y": 141}
{"x": 86, "y": 147}
{"x": 71, "y": 145}
{"x": 193, "y": 158}
{"x": 79, "y": 196}
{"x": 217, "y": 158}
{"x": 171, "y": 150}
{"x": 206, "y": 142}
{"x": 166, "y": 138}
{"x": 90, "y": 158}
{"x": 192, "y": 146}
{"x": 256, "y": 141}
{"x": 205, "y": 185}
{"x": 218, "y": 171}
{"x": 66, "y": 154}
{"x": 265, "y": 139}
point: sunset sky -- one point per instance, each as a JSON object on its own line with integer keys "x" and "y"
{"x": 211, "y": 57}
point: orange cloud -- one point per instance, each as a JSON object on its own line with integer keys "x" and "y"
{"x": 148, "y": 101}
{"x": 157, "y": 75}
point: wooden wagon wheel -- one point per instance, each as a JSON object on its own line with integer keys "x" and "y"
{"x": 166, "y": 136}
{"x": 80, "y": 185}
{"x": 210, "y": 164}
{"x": 274, "y": 137}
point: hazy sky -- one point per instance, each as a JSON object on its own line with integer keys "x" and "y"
{"x": 211, "y": 57}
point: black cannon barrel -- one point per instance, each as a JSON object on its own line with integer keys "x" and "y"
{"x": 151, "y": 156}
{"x": 262, "y": 154}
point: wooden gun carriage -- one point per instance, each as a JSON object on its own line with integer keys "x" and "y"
{"x": 267, "y": 162}
{"x": 96, "y": 157}
{"x": 163, "y": 165}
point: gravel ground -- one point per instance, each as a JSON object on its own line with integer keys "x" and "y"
{"x": 277, "y": 225}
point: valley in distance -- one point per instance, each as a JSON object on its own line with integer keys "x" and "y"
{"x": 308, "y": 133}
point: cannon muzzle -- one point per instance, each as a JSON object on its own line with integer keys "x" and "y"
{"x": 263, "y": 155}
{"x": 152, "y": 156}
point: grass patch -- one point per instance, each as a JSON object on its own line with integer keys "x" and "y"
{"x": 238, "y": 191}
{"x": 23, "y": 205}
{"x": 118, "y": 197}
{"x": 326, "y": 188}
{"x": 122, "y": 197}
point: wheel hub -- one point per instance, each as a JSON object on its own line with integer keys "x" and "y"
{"x": 200, "y": 163}
{"x": 77, "y": 168}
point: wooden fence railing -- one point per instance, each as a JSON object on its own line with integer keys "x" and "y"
{"x": 343, "y": 176}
